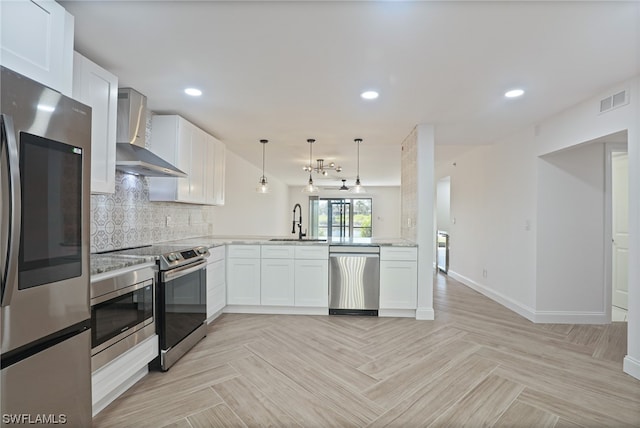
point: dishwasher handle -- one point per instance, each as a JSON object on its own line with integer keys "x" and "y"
{"x": 352, "y": 249}
{"x": 367, "y": 255}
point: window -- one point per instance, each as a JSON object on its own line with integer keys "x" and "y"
{"x": 341, "y": 217}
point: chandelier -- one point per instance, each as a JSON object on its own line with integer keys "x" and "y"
{"x": 321, "y": 168}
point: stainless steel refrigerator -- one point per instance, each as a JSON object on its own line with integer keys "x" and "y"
{"x": 45, "y": 157}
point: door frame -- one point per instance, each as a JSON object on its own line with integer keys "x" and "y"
{"x": 609, "y": 148}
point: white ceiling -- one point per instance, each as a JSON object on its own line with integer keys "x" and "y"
{"x": 288, "y": 71}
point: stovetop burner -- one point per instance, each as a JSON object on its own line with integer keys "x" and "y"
{"x": 168, "y": 256}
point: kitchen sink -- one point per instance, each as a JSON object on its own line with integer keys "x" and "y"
{"x": 297, "y": 240}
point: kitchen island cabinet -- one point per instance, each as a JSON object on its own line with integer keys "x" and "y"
{"x": 398, "y": 281}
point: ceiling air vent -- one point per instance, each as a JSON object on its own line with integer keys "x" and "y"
{"x": 614, "y": 101}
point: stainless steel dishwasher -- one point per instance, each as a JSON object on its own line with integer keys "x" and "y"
{"x": 354, "y": 280}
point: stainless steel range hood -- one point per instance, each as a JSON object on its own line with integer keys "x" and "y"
{"x": 131, "y": 155}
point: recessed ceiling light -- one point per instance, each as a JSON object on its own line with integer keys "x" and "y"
{"x": 193, "y": 92}
{"x": 369, "y": 95}
{"x": 514, "y": 93}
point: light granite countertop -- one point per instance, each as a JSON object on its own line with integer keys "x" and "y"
{"x": 215, "y": 241}
{"x": 102, "y": 263}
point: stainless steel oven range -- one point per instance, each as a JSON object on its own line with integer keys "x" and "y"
{"x": 122, "y": 311}
{"x": 181, "y": 299}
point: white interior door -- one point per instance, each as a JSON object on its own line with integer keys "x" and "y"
{"x": 620, "y": 227}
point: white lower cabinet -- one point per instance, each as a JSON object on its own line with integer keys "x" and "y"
{"x": 398, "y": 279}
{"x": 243, "y": 275}
{"x": 278, "y": 279}
{"x": 277, "y": 282}
{"x": 216, "y": 282}
{"x": 312, "y": 283}
{"x": 398, "y": 284}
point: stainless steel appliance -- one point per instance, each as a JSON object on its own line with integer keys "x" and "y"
{"x": 443, "y": 251}
{"x": 45, "y": 336}
{"x": 354, "y": 280}
{"x": 181, "y": 296}
{"x": 122, "y": 312}
{"x": 131, "y": 154}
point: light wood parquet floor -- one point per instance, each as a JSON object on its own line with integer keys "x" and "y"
{"x": 478, "y": 364}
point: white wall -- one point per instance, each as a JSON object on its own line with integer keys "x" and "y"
{"x": 385, "y": 202}
{"x": 245, "y": 212}
{"x": 494, "y": 198}
{"x": 571, "y": 254}
{"x": 492, "y": 243}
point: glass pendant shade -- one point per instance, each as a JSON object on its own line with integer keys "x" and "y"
{"x": 263, "y": 185}
{"x": 310, "y": 187}
{"x": 358, "y": 188}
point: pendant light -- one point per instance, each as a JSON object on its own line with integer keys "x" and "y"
{"x": 358, "y": 187}
{"x": 310, "y": 187}
{"x": 344, "y": 187}
{"x": 263, "y": 186}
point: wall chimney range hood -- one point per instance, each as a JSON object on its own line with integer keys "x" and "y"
{"x": 131, "y": 154}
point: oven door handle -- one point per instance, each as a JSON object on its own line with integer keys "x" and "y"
{"x": 180, "y": 272}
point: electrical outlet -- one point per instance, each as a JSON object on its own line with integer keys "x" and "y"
{"x": 169, "y": 222}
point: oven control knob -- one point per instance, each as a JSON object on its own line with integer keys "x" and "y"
{"x": 172, "y": 257}
{"x": 202, "y": 250}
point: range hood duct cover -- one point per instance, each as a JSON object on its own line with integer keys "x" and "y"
{"x": 131, "y": 154}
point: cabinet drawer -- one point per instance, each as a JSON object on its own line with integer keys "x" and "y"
{"x": 312, "y": 252}
{"x": 398, "y": 253}
{"x": 243, "y": 251}
{"x": 277, "y": 251}
{"x": 217, "y": 253}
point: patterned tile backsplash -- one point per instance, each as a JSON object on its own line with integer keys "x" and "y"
{"x": 127, "y": 218}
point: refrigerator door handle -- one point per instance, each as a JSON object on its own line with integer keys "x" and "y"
{"x": 13, "y": 211}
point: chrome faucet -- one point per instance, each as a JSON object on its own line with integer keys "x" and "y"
{"x": 293, "y": 229}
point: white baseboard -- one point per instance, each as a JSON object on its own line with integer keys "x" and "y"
{"x": 567, "y": 317}
{"x": 509, "y": 303}
{"x": 425, "y": 314}
{"x": 397, "y": 313}
{"x": 539, "y": 317}
{"x": 275, "y": 310}
{"x": 631, "y": 366}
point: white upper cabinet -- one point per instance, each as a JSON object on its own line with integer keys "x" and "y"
{"x": 215, "y": 171}
{"x": 97, "y": 88}
{"x": 192, "y": 150}
{"x": 36, "y": 40}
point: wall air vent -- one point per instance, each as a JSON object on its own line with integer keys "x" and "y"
{"x": 614, "y": 101}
